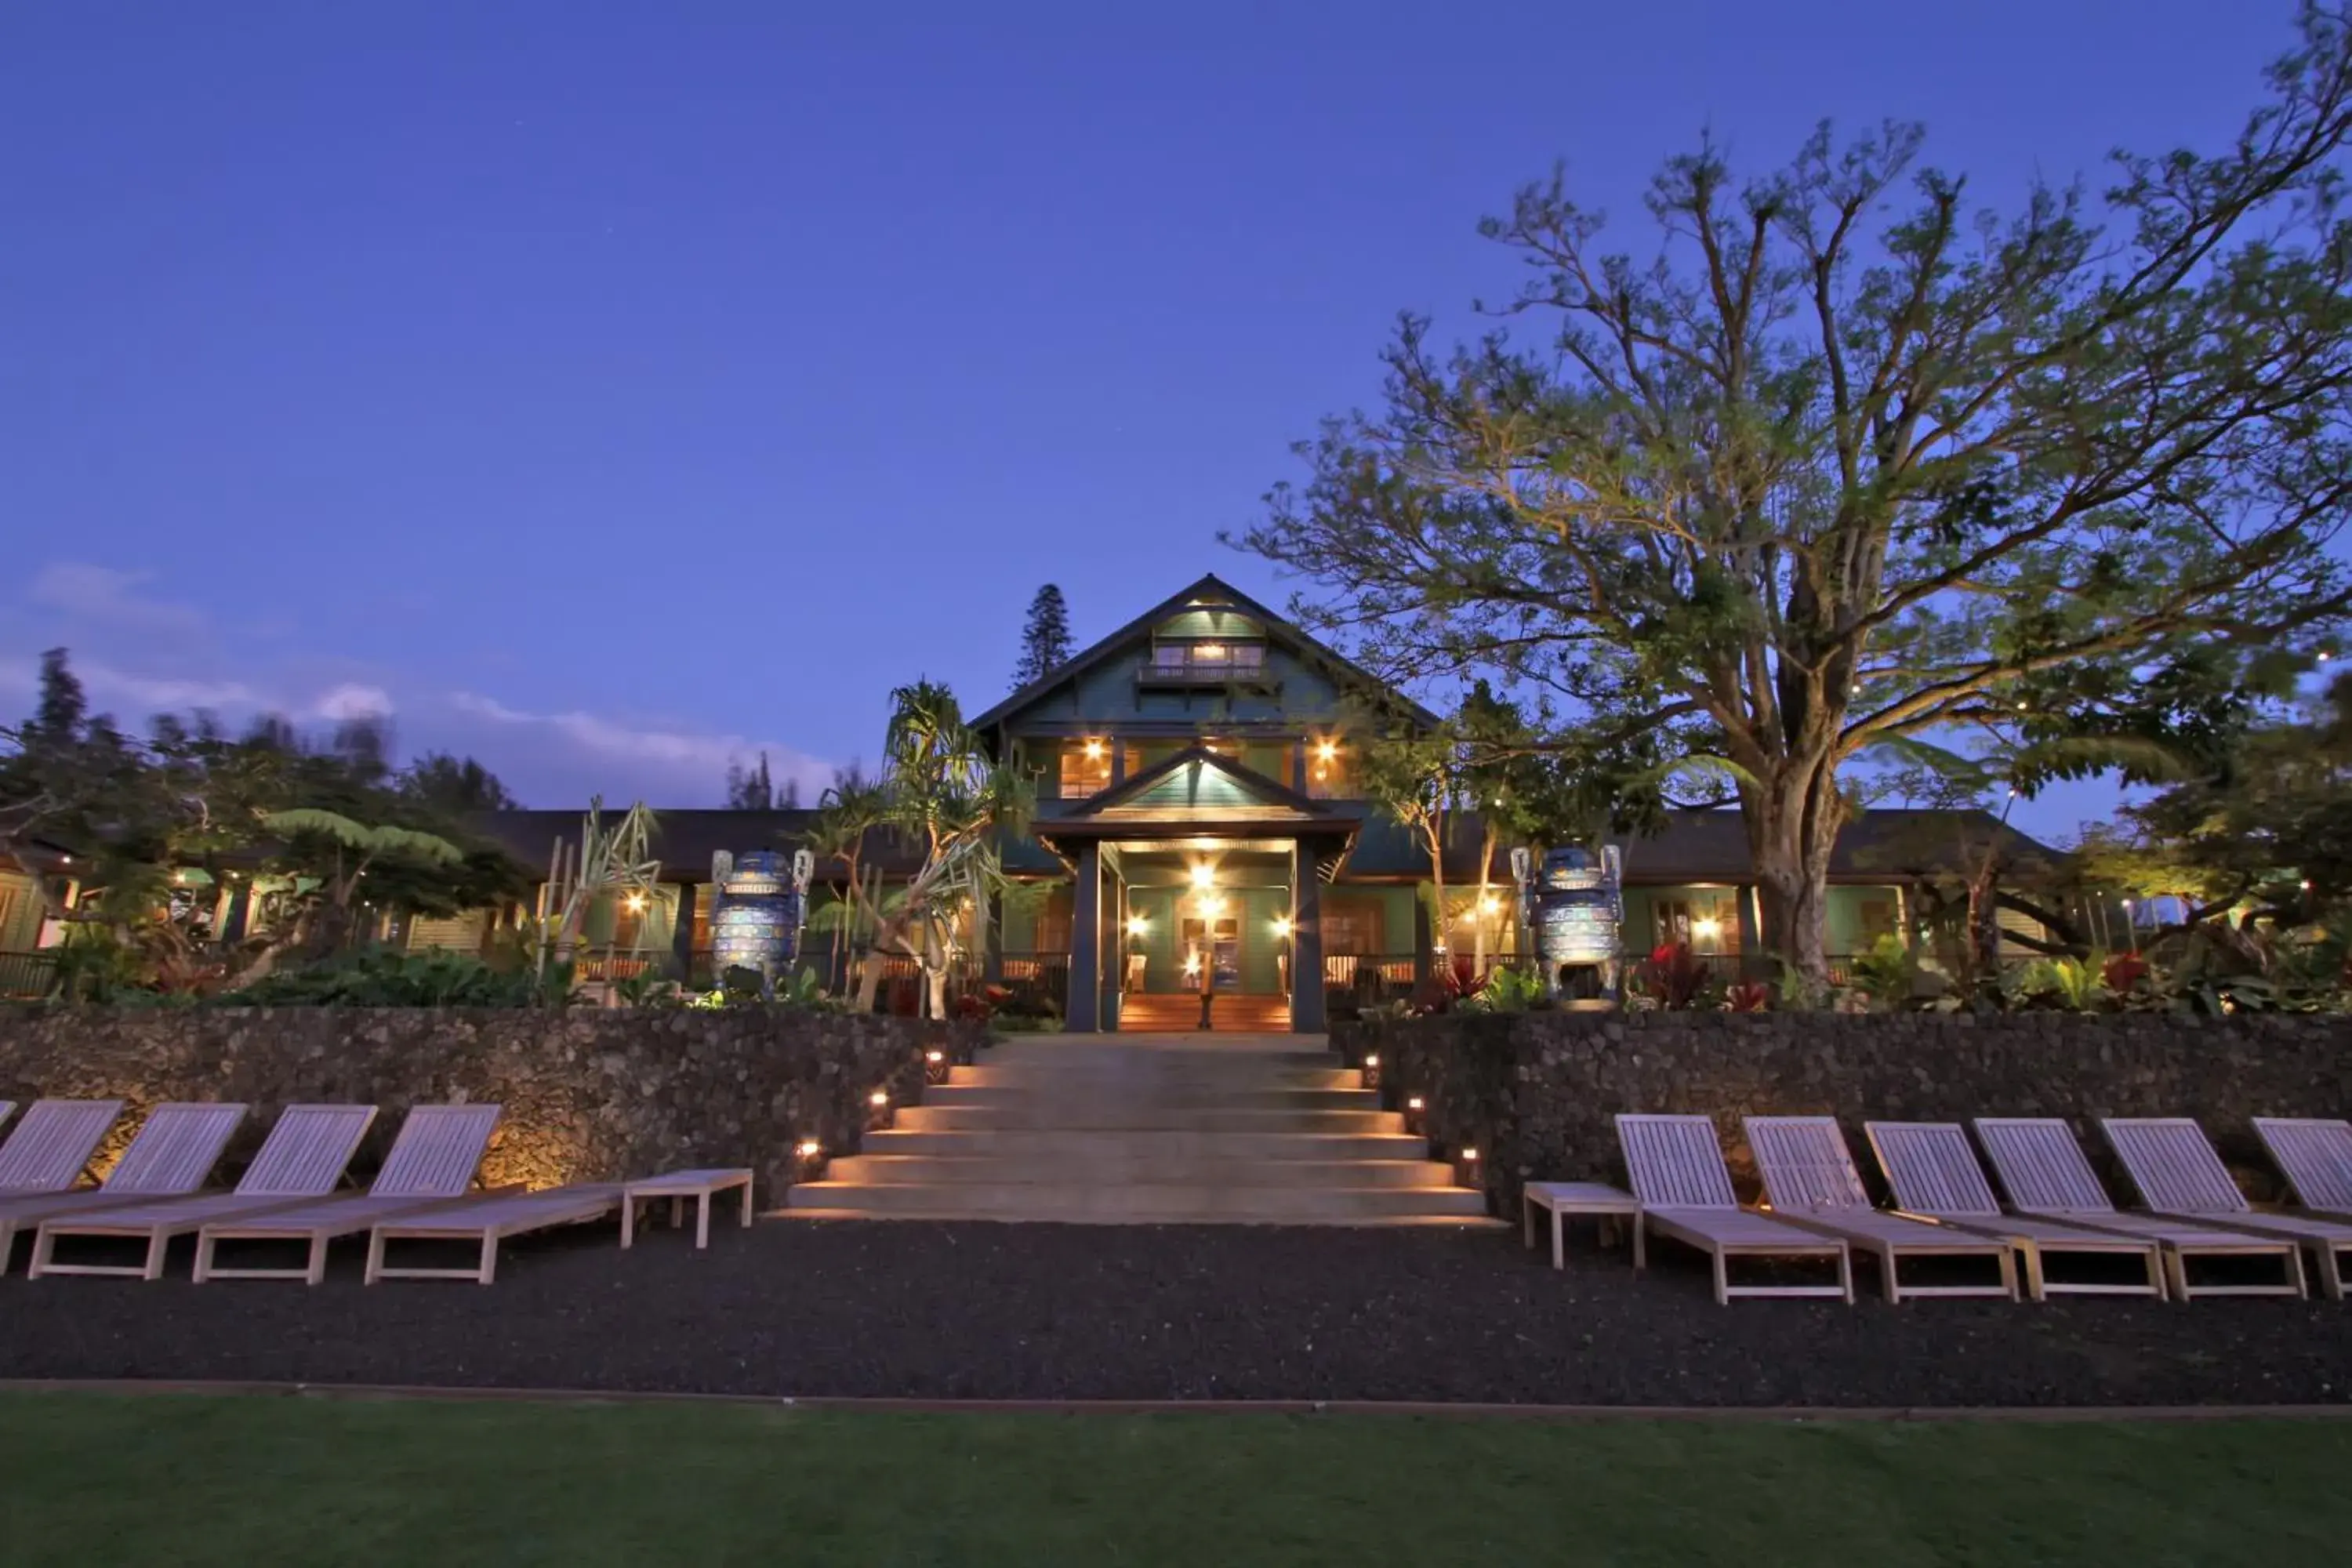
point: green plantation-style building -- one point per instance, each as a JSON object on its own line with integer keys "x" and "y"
{"x": 1200, "y": 819}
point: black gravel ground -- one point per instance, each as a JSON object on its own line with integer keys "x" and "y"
{"x": 933, "y": 1310}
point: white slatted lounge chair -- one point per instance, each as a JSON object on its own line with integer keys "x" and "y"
{"x": 302, "y": 1159}
{"x": 486, "y": 1221}
{"x": 1678, "y": 1171}
{"x": 433, "y": 1161}
{"x": 2179, "y": 1175}
{"x": 1810, "y": 1181}
{"x": 2315, "y": 1157}
{"x": 53, "y": 1143}
{"x": 171, "y": 1154}
{"x": 1935, "y": 1175}
{"x": 2045, "y": 1173}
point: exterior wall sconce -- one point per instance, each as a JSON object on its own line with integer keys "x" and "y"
{"x": 1204, "y": 874}
{"x": 1136, "y": 926}
{"x": 1372, "y": 1070}
{"x": 936, "y": 1066}
{"x": 1093, "y": 750}
{"x": 1282, "y": 925}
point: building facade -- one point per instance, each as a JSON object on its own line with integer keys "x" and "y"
{"x": 1200, "y": 832}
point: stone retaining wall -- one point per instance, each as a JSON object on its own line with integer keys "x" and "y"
{"x": 590, "y": 1094}
{"x": 1536, "y": 1093}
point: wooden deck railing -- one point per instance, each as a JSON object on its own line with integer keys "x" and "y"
{"x": 27, "y": 974}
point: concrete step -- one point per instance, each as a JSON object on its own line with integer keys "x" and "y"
{"x": 1236, "y": 1051}
{"x": 1142, "y": 1115}
{"x": 1237, "y": 1096}
{"x": 1140, "y": 1203}
{"x": 1215, "y": 1144}
{"x": 1033, "y": 1074}
{"x": 1349, "y": 1222}
{"x": 1147, "y": 1170}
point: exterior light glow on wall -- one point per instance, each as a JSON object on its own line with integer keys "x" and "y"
{"x": 1490, "y": 906}
{"x": 1212, "y": 905}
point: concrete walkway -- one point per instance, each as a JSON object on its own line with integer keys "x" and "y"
{"x": 1134, "y": 1129}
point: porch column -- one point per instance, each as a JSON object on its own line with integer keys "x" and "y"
{"x": 1082, "y": 1011}
{"x": 1112, "y": 945}
{"x": 1306, "y": 940}
{"x": 681, "y": 934}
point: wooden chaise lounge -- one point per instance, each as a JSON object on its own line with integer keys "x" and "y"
{"x": 1811, "y": 1181}
{"x": 1935, "y": 1175}
{"x": 53, "y": 1143}
{"x": 1678, "y": 1171}
{"x": 433, "y": 1161}
{"x": 2043, "y": 1170}
{"x": 486, "y": 1221}
{"x": 302, "y": 1159}
{"x": 2179, "y": 1175}
{"x": 170, "y": 1155}
{"x": 2315, "y": 1157}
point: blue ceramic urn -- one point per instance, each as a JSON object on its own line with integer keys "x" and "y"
{"x": 756, "y": 922}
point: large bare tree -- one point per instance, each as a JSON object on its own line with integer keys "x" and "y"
{"x": 1848, "y": 460}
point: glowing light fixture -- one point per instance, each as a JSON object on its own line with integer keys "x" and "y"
{"x": 1416, "y": 1103}
{"x": 1204, "y": 874}
{"x": 1325, "y": 750}
{"x": 182, "y": 877}
{"x": 637, "y": 903}
{"x": 808, "y": 1149}
{"x": 878, "y": 1097}
{"x": 1282, "y": 922}
{"x": 1094, "y": 748}
{"x": 1709, "y": 929}
{"x": 1490, "y": 905}
{"x": 934, "y": 1058}
{"x": 1137, "y": 925}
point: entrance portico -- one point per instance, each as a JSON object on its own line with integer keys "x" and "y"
{"x": 1198, "y": 877}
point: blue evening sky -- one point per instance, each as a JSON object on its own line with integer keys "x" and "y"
{"x": 611, "y": 390}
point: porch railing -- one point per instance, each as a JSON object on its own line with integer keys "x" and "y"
{"x": 27, "y": 974}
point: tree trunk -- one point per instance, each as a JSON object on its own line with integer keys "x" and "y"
{"x": 1435, "y": 831}
{"x": 1478, "y": 910}
{"x": 1792, "y": 825}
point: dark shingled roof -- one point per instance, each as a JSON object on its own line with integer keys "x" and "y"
{"x": 1879, "y": 846}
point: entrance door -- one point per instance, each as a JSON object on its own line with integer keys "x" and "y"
{"x": 1216, "y": 945}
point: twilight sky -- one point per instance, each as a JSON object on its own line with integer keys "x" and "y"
{"x": 611, "y": 391}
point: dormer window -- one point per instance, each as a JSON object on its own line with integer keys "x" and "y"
{"x": 1206, "y": 659}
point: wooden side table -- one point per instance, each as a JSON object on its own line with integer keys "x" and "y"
{"x": 1565, "y": 1198}
{"x": 677, "y": 1186}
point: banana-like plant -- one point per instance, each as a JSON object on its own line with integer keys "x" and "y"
{"x": 612, "y": 862}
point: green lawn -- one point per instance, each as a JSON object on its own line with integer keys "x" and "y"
{"x": 99, "y": 1479}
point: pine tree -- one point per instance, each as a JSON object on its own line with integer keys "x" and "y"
{"x": 1045, "y": 641}
{"x": 750, "y": 789}
{"x": 63, "y": 708}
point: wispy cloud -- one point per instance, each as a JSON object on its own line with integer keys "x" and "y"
{"x": 663, "y": 747}
{"x": 103, "y": 595}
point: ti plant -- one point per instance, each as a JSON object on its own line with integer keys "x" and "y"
{"x": 615, "y": 862}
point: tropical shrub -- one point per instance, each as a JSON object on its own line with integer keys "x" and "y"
{"x": 1674, "y": 978}
{"x": 1888, "y": 972}
{"x": 384, "y": 977}
{"x": 1747, "y": 996}
{"x": 1509, "y": 991}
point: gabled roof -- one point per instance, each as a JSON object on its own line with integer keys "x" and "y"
{"x": 1198, "y": 788}
{"x": 1278, "y": 630}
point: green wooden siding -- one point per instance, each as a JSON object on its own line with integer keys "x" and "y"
{"x": 20, "y": 912}
{"x": 1196, "y": 787}
{"x": 1209, "y": 623}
